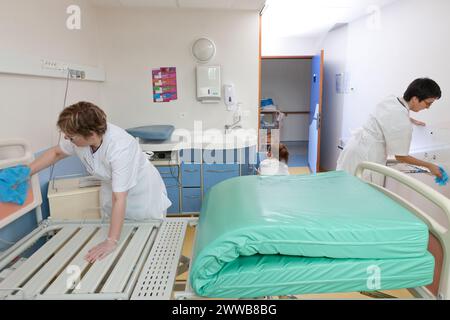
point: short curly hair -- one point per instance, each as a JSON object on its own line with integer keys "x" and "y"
{"x": 82, "y": 118}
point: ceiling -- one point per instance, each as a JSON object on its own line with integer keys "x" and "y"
{"x": 313, "y": 18}
{"x": 281, "y": 18}
{"x": 255, "y": 5}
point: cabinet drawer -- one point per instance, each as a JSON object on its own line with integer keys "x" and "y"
{"x": 193, "y": 156}
{"x": 191, "y": 175}
{"x": 171, "y": 182}
{"x": 221, "y": 156}
{"x": 248, "y": 161}
{"x": 173, "y": 193}
{"x": 215, "y": 173}
{"x": 68, "y": 201}
{"x": 168, "y": 171}
{"x": 192, "y": 200}
{"x": 76, "y": 206}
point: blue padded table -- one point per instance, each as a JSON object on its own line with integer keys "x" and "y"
{"x": 152, "y": 133}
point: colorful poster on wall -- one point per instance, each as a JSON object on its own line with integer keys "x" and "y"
{"x": 164, "y": 84}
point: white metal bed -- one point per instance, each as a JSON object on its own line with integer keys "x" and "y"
{"x": 145, "y": 263}
{"x": 439, "y": 243}
{"x": 143, "y": 267}
{"x": 439, "y": 240}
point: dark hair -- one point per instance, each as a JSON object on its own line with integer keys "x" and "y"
{"x": 283, "y": 153}
{"x": 423, "y": 88}
{"x": 82, "y": 118}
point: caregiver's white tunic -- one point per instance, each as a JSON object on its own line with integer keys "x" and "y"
{"x": 388, "y": 131}
{"x": 122, "y": 166}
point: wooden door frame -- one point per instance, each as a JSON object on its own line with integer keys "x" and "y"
{"x": 286, "y": 57}
{"x": 260, "y": 59}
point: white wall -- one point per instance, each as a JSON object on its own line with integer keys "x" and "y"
{"x": 410, "y": 43}
{"x": 127, "y": 43}
{"x": 29, "y": 106}
{"x": 335, "y": 59}
{"x": 289, "y": 46}
{"x": 134, "y": 41}
{"x": 288, "y": 83}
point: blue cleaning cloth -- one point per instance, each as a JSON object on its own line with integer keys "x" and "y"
{"x": 14, "y": 184}
{"x": 442, "y": 181}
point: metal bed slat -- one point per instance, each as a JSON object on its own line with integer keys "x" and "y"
{"x": 94, "y": 276}
{"x": 59, "y": 286}
{"x": 36, "y": 260}
{"x": 158, "y": 274}
{"x": 118, "y": 278}
{"x": 51, "y": 269}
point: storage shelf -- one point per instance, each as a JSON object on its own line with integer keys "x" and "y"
{"x": 286, "y": 112}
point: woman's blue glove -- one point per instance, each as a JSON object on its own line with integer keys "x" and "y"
{"x": 442, "y": 181}
{"x": 14, "y": 184}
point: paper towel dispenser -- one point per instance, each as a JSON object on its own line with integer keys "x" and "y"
{"x": 208, "y": 84}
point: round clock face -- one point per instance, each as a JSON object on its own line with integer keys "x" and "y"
{"x": 203, "y": 50}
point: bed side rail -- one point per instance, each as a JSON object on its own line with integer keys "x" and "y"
{"x": 12, "y": 153}
{"x": 432, "y": 195}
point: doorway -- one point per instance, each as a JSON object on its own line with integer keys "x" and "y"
{"x": 286, "y": 85}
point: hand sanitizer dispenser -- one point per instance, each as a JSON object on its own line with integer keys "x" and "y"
{"x": 208, "y": 84}
{"x": 230, "y": 96}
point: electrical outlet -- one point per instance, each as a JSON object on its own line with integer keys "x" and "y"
{"x": 77, "y": 74}
{"x": 53, "y": 65}
{"x": 246, "y": 113}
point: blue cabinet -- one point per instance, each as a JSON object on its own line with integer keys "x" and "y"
{"x": 173, "y": 193}
{"x": 218, "y": 156}
{"x": 168, "y": 171}
{"x": 215, "y": 173}
{"x": 191, "y": 175}
{"x": 191, "y": 200}
{"x": 191, "y": 181}
{"x": 170, "y": 176}
{"x": 193, "y": 156}
{"x": 248, "y": 161}
{"x": 199, "y": 171}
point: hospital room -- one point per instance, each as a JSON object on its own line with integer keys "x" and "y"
{"x": 224, "y": 150}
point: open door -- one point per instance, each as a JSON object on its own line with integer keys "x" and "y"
{"x": 315, "y": 112}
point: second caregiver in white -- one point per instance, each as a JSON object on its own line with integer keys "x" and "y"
{"x": 131, "y": 188}
{"x": 388, "y": 130}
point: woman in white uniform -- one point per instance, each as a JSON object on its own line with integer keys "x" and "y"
{"x": 388, "y": 130}
{"x": 275, "y": 166}
{"x": 131, "y": 188}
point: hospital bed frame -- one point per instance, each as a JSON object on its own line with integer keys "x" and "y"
{"x": 439, "y": 236}
{"x": 144, "y": 265}
{"x": 439, "y": 239}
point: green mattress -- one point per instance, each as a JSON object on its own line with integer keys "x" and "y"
{"x": 276, "y": 275}
{"x": 256, "y": 229}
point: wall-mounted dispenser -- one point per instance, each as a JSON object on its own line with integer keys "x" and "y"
{"x": 230, "y": 96}
{"x": 208, "y": 84}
